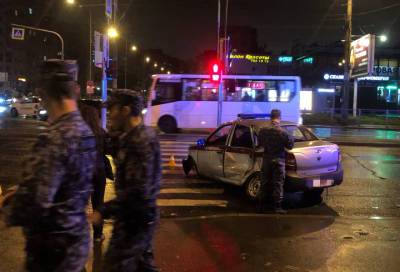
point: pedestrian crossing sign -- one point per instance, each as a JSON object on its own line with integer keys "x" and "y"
{"x": 18, "y": 33}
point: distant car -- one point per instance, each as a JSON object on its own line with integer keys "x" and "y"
{"x": 231, "y": 154}
{"x": 29, "y": 106}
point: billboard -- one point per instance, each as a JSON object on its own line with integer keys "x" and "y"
{"x": 362, "y": 56}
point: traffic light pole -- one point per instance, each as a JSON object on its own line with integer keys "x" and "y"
{"x": 104, "y": 84}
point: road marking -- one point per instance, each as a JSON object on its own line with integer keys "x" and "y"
{"x": 180, "y": 142}
{"x": 191, "y": 191}
{"x": 183, "y": 181}
{"x": 174, "y": 154}
{"x": 172, "y": 171}
{"x": 176, "y": 166}
{"x": 191, "y": 203}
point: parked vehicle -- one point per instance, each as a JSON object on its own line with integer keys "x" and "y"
{"x": 231, "y": 154}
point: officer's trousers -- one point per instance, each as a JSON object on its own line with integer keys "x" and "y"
{"x": 130, "y": 248}
{"x": 57, "y": 252}
{"x": 273, "y": 172}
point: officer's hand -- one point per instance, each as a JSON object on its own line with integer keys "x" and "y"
{"x": 5, "y": 199}
{"x": 95, "y": 218}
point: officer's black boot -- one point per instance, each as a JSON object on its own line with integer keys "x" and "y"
{"x": 278, "y": 208}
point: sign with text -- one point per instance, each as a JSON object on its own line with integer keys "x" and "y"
{"x": 98, "y": 51}
{"x": 251, "y": 58}
{"x": 109, "y": 8}
{"x": 18, "y": 33}
{"x": 362, "y": 56}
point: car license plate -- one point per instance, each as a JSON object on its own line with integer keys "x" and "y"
{"x": 322, "y": 182}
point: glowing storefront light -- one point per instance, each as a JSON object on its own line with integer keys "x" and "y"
{"x": 306, "y": 100}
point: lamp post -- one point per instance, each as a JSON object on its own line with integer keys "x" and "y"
{"x": 346, "y": 82}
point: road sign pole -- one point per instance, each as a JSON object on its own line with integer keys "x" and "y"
{"x": 47, "y": 31}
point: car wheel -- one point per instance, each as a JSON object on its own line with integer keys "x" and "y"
{"x": 14, "y": 112}
{"x": 314, "y": 196}
{"x": 168, "y": 124}
{"x": 253, "y": 187}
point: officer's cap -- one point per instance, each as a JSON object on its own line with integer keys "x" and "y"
{"x": 59, "y": 70}
{"x": 130, "y": 98}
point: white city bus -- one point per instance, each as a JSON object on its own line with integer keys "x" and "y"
{"x": 191, "y": 101}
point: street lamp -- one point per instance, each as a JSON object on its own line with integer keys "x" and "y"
{"x": 147, "y": 59}
{"x": 162, "y": 68}
{"x": 155, "y": 65}
{"x": 134, "y": 48}
{"x": 168, "y": 72}
{"x": 383, "y": 38}
{"x": 70, "y": 2}
{"x": 112, "y": 32}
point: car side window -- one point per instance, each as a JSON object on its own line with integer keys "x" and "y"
{"x": 309, "y": 136}
{"x": 296, "y": 133}
{"x": 220, "y": 136}
{"x": 242, "y": 137}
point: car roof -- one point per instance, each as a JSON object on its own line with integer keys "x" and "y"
{"x": 259, "y": 123}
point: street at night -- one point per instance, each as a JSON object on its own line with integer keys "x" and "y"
{"x": 199, "y": 136}
{"x": 209, "y": 226}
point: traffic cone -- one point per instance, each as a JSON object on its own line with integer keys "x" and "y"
{"x": 172, "y": 162}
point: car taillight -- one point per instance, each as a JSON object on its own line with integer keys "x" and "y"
{"x": 291, "y": 162}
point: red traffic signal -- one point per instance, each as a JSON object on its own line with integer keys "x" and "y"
{"x": 216, "y": 72}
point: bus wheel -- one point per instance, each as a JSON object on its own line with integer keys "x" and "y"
{"x": 167, "y": 124}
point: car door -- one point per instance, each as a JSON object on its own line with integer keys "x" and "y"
{"x": 211, "y": 157}
{"x": 239, "y": 155}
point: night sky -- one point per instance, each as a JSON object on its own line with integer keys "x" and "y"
{"x": 185, "y": 28}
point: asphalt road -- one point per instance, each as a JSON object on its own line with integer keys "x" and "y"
{"x": 208, "y": 226}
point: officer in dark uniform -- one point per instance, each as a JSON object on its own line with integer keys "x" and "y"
{"x": 137, "y": 183}
{"x": 274, "y": 140}
{"x": 57, "y": 181}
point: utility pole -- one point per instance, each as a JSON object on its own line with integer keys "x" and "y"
{"x": 346, "y": 82}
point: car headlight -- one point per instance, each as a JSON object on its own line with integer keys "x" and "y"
{"x": 1, "y": 100}
{"x": 2, "y": 109}
{"x": 43, "y": 112}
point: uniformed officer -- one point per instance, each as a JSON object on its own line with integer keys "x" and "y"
{"x": 137, "y": 182}
{"x": 57, "y": 180}
{"x": 274, "y": 140}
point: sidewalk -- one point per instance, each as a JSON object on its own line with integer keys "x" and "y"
{"x": 255, "y": 243}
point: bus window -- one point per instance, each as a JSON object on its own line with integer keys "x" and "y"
{"x": 259, "y": 90}
{"x": 199, "y": 90}
{"x": 167, "y": 92}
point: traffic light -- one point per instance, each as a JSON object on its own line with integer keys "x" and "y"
{"x": 216, "y": 72}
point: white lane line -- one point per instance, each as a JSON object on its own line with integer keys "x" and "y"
{"x": 174, "y": 154}
{"x": 172, "y": 171}
{"x": 191, "y": 191}
{"x": 191, "y": 203}
{"x": 173, "y": 142}
{"x": 174, "y": 150}
{"x": 186, "y": 181}
{"x": 177, "y": 165}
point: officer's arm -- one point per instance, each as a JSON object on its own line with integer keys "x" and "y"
{"x": 42, "y": 177}
{"x": 289, "y": 141}
{"x": 137, "y": 171}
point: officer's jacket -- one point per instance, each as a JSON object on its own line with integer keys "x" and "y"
{"x": 57, "y": 179}
{"x": 138, "y": 176}
{"x": 274, "y": 140}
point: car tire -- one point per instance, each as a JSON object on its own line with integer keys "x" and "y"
{"x": 253, "y": 187}
{"x": 14, "y": 112}
{"x": 167, "y": 124}
{"x": 314, "y": 196}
